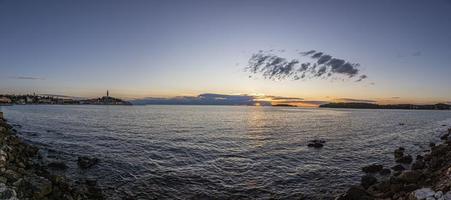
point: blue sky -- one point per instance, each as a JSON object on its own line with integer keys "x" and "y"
{"x": 172, "y": 48}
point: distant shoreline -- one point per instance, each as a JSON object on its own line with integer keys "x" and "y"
{"x": 388, "y": 106}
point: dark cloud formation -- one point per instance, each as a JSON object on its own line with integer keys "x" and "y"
{"x": 202, "y": 99}
{"x": 355, "y": 100}
{"x": 26, "y": 78}
{"x": 320, "y": 65}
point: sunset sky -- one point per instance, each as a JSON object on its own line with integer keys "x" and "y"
{"x": 140, "y": 49}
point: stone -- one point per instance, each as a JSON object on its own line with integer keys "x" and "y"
{"x": 39, "y": 186}
{"x": 447, "y": 196}
{"x": 373, "y": 168}
{"x": 11, "y": 175}
{"x": 422, "y": 194}
{"x": 385, "y": 171}
{"x": 411, "y": 176}
{"x": 86, "y": 162}
{"x": 58, "y": 165}
{"x": 399, "y": 152}
{"x": 419, "y": 164}
{"x": 315, "y": 145}
{"x": 368, "y": 181}
{"x": 438, "y": 194}
{"x": 407, "y": 159}
{"x": 398, "y": 168}
{"x": 355, "y": 193}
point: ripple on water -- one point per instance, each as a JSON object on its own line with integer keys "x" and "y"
{"x": 215, "y": 152}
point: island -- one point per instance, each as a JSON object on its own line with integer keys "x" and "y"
{"x": 439, "y": 106}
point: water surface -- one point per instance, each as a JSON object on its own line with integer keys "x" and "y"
{"x": 223, "y": 152}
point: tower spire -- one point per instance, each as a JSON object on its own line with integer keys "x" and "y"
{"x": 107, "y": 93}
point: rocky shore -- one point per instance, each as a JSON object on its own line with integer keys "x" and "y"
{"x": 23, "y": 174}
{"x": 425, "y": 177}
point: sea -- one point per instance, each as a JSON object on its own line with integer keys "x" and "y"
{"x": 223, "y": 152}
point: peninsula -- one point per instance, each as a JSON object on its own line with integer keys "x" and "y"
{"x": 59, "y": 100}
{"x": 439, "y": 106}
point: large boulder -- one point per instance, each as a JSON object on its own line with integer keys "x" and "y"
{"x": 373, "y": 168}
{"x": 419, "y": 164}
{"x": 36, "y": 187}
{"x": 407, "y": 159}
{"x": 411, "y": 176}
{"x": 399, "y": 152}
{"x": 368, "y": 181}
{"x": 316, "y": 143}
{"x": 58, "y": 165}
{"x": 398, "y": 168}
{"x": 355, "y": 193}
{"x": 422, "y": 194}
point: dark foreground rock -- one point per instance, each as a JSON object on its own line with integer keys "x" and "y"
{"x": 373, "y": 168}
{"x": 428, "y": 178}
{"x": 23, "y": 176}
{"x": 316, "y": 143}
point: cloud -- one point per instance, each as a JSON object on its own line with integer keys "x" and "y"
{"x": 349, "y": 100}
{"x": 223, "y": 99}
{"x": 320, "y": 65}
{"x": 362, "y": 77}
{"x": 202, "y": 99}
{"x": 26, "y": 78}
{"x": 395, "y": 97}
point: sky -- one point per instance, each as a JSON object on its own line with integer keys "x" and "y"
{"x": 163, "y": 49}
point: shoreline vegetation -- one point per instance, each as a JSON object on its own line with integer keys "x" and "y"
{"x": 439, "y": 106}
{"x": 25, "y": 175}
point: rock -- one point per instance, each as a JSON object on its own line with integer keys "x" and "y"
{"x": 421, "y": 194}
{"x": 38, "y": 186}
{"x": 399, "y": 152}
{"x": 11, "y": 175}
{"x": 355, "y": 193}
{"x": 372, "y": 168}
{"x": 3, "y": 158}
{"x": 447, "y": 196}
{"x": 419, "y": 164}
{"x": 411, "y": 176}
{"x": 438, "y": 195}
{"x": 368, "y": 181}
{"x": 405, "y": 159}
{"x": 316, "y": 143}
{"x": 431, "y": 144}
{"x": 59, "y": 165}
{"x": 7, "y": 193}
{"x": 385, "y": 171}
{"x": 398, "y": 168}
{"x": 445, "y": 136}
{"x": 86, "y": 162}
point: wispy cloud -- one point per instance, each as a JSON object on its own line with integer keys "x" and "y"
{"x": 319, "y": 65}
{"x": 26, "y": 78}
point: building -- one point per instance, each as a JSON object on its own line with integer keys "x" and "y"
{"x": 5, "y": 100}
